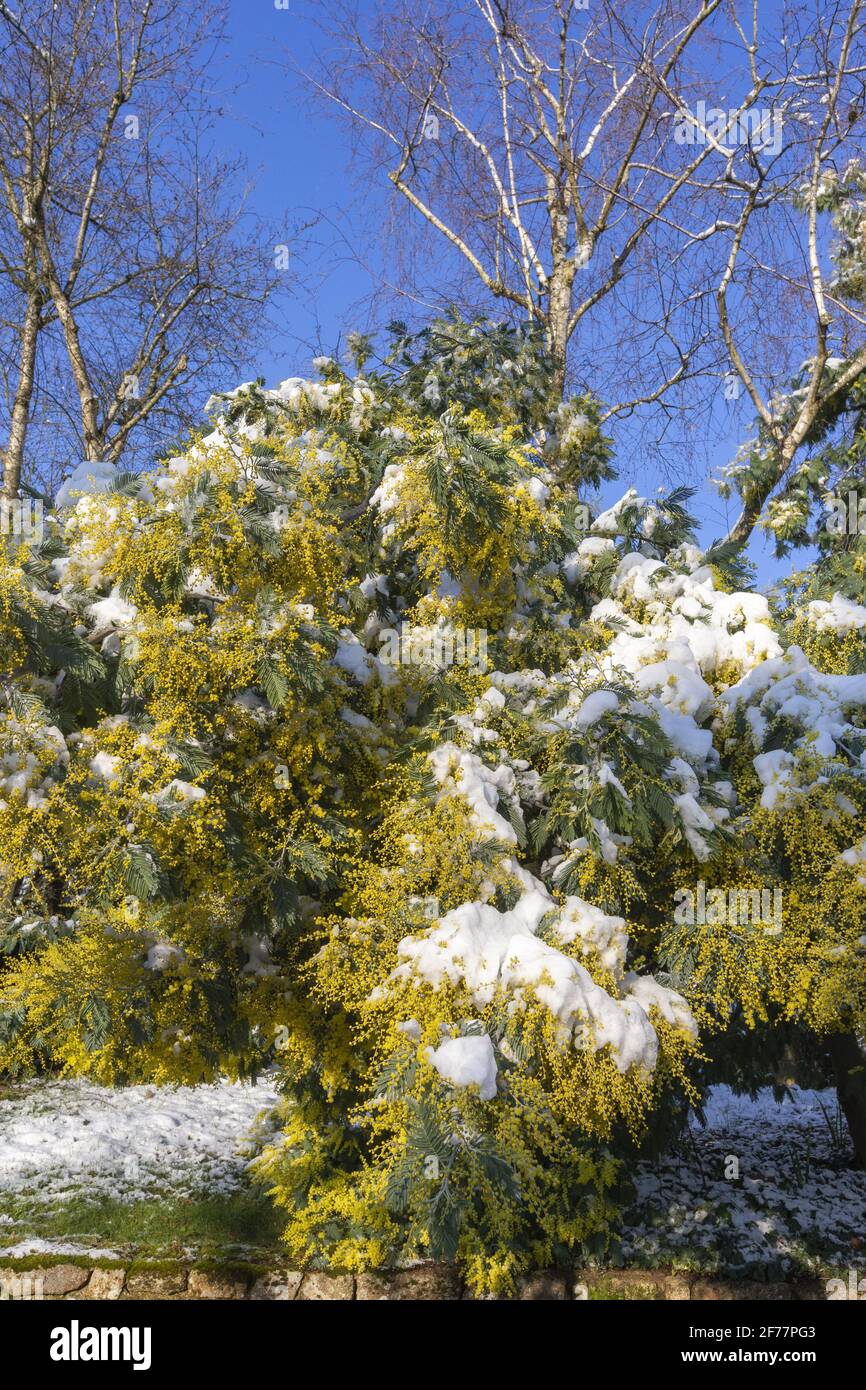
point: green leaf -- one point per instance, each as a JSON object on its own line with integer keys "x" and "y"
{"x": 95, "y": 1020}
{"x": 143, "y": 876}
{"x": 273, "y": 683}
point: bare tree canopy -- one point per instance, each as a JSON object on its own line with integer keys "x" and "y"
{"x": 645, "y": 181}
{"x": 129, "y": 264}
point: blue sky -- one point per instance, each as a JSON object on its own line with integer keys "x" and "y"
{"x": 301, "y": 163}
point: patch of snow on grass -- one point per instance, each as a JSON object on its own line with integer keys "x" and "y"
{"x": 38, "y": 1246}
{"x": 65, "y": 1138}
{"x": 765, "y": 1189}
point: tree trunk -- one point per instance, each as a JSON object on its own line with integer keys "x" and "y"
{"x": 849, "y": 1067}
{"x": 559, "y": 286}
{"x": 20, "y": 418}
{"x": 93, "y": 441}
{"x": 560, "y": 304}
{"x": 744, "y": 526}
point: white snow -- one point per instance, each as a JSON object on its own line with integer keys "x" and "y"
{"x": 163, "y": 954}
{"x": 87, "y": 478}
{"x": 839, "y": 615}
{"x": 29, "y": 756}
{"x": 63, "y": 1137}
{"x": 387, "y": 495}
{"x": 599, "y": 703}
{"x": 37, "y": 1246}
{"x": 112, "y": 612}
{"x": 179, "y": 793}
{"x": 483, "y": 949}
{"x": 460, "y": 772}
{"x": 467, "y": 1061}
{"x": 353, "y": 658}
{"x": 790, "y": 687}
{"x": 596, "y": 930}
{"x": 580, "y": 561}
{"x": 104, "y": 767}
{"x": 538, "y": 490}
{"x": 610, "y": 520}
{"x": 792, "y": 1202}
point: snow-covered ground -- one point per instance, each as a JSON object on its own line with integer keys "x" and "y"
{"x": 790, "y": 1196}
{"x": 60, "y": 1138}
{"x": 765, "y": 1188}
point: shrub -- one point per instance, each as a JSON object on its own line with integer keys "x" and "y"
{"x": 347, "y": 739}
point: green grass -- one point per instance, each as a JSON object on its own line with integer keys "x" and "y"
{"x": 245, "y": 1221}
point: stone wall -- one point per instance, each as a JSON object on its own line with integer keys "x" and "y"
{"x": 140, "y": 1281}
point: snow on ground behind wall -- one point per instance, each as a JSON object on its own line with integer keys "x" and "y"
{"x": 796, "y": 1204}
{"x": 60, "y": 1138}
{"x": 797, "y": 1199}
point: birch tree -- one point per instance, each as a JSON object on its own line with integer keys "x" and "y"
{"x": 806, "y": 269}
{"x": 131, "y": 264}
{"x": 617, "y": 173}
{"x": 538, "y": 142}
